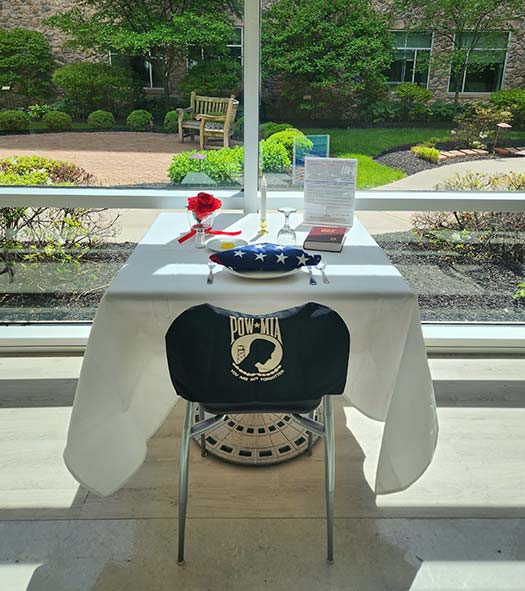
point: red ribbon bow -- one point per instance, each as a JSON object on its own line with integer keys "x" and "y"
{"x": 193, "y": 231}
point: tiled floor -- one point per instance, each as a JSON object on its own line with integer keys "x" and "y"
{"x": 462, "y": 526}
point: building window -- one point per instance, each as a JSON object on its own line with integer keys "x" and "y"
{"x": 198, "y": 54}
{"x": 411, "y": 58}
{"x": 236, "y": 48}
{"x": 485, "y": 63}
{"x": 147, "y": 70}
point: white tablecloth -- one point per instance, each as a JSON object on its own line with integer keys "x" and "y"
{"x": 125, "y": 393}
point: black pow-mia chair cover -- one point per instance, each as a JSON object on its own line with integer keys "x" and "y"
{"x": 281, "y": 361}
{"x": 229, "y": 362}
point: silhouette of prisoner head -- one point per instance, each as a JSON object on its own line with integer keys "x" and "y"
{"x": 260, "y": 351}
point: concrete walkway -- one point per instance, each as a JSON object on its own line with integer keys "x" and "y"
{"x": 428, "y": 179}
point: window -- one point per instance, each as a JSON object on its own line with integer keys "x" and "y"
{"x": 147, "y": 70}
{"x": 485, "y": 63}
{"x": 236, "y": 51}
{"x": 198, "y": 54}
{"x": 412, "y": 58}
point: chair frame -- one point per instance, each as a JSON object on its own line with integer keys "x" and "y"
{"x": 204, "y": 109}
{"x": 324, "y": 429}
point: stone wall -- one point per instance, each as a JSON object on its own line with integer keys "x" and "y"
{"x": 29, "y": 14}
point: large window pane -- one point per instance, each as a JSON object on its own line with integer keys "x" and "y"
{"x": 485, "y": 63}
{"x": 411, "y": 59}
{"x": 150, "y": 63}
{"x": 459, "y": 275}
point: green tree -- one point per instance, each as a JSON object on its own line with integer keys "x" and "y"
{"x": 467, "y": 25}
{"x": 26, "y": 62}
{"x": 334, "y": 49}
{"x": 160, "y": 30}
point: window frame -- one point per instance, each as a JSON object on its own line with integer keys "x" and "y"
{"x": 393, "y": 83}
{"x": 58, "y": 336}
{"x": 464, "y": 92}
{"x": 149, "y": 68}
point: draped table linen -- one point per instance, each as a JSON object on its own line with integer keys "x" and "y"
{"x": 125, "y": 393}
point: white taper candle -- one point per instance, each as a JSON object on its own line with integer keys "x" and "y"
{"x": 264, "y": 189}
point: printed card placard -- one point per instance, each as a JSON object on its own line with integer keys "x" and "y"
{"x": 329, "y": 191}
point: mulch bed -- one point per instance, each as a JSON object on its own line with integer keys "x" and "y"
{"x": 452, "y": 289}
{"x": 449, "y": 289}
{"x": 409, "y": 163}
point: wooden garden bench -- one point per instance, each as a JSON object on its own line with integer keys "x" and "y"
{"x": 210, "y": 116}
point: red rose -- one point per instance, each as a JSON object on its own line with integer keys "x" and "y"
{"x": 203, "y": 205}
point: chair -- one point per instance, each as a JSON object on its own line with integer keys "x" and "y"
{"x": 212, "y": 117}
{"x": 286, "y": 362}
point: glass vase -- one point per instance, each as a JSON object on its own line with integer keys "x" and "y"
{"x": 201, "y": 225}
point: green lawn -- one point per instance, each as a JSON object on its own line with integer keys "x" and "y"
{"x": 373, "y": 141}
{"x": 373, "y": 174}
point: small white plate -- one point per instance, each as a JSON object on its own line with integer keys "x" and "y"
{"x": 221, "y": 244}
{"x": 262, "y": 274}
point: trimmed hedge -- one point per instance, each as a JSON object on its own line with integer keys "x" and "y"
{"x": 14, "y": 120}
{"x": 101, "y": 119}
{"x": 140, "y": 120}
{"x": 171, "y": 121}
{"x": 57, "y": 121}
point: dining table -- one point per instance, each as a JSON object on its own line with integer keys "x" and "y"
{"x": 125, "y": 393}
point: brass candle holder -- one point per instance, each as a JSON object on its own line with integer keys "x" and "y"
{"x": 264, "y": 227}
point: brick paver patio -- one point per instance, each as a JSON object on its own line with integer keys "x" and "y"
{"x": 114, "y": 158}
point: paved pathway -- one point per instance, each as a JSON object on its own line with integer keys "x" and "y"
{"x": 114, "y": 158}
{"x": 428, "y": 179}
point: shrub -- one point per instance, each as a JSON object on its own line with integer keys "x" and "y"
{"x": 58, "y": 171}
{"x": 212, "y": 78}
{"x": 382, "y": 110}
{"x": 101, "y": 119}
{"x": 91, "y": 86}
{"x": 441, "y": 110}
{"x": 414, "y": 100}
{"x": 288, "y": 137}
{"x": 36, "y": 112}
{"x": 269, "y": 128}
{"x": 171, "y": 121}
{"x": 238, "y": 128}
{"x": 478, "y": 181}
{"x": 26, "y": 62}
{"x": 476, "y": 126}
{"x": 181, "y": 165}
{"x": 476, "y": 236}
{"x": 426, "y": 153}
{"x": 274, "y": 157}
{"x": 14, "y": 121}
{"x": 224, "y": 165}
{"x": 57, "y": 121}
{"x": 140, "y": 120}
{"x": 519, "y": 294}
{"x": 156, "y": 105}
{"x": 512, "y": 101}
{"x": 31, "y": 235}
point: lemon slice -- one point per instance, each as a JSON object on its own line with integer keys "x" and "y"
{"x": 227, "y": 245}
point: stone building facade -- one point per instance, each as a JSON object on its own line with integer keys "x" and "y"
{"x": 31, "y": 14}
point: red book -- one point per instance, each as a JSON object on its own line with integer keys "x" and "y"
{"x": 325, "y": 238}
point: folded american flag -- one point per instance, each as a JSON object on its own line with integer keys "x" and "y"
{"x": 265, "y": 257}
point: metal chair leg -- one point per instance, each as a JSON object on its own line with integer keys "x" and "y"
{"x": 204, "y": 451}
{"x": 183, "y": 478}
{"x": 310, "y": 435}
{"x": 329, "y": 449}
